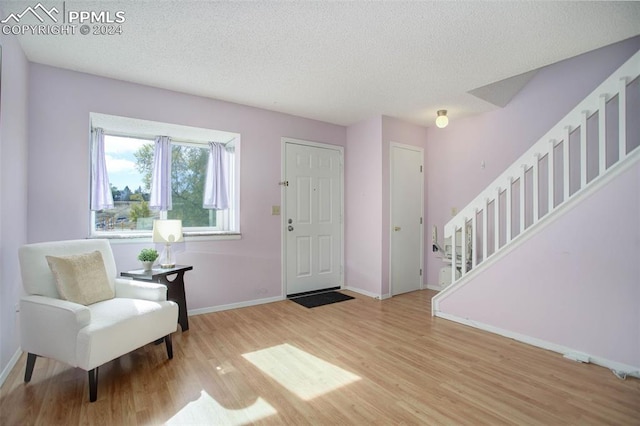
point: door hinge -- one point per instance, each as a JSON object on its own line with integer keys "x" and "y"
{"x": 420, "y": 221}
{"x": 420, "y": 272}
{"x": 420, "y": 169}
{"x": 284, "y": 183}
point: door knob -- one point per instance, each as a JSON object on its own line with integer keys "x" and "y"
{"x": 396, "y": 228}
{"x": 290, "y": 228}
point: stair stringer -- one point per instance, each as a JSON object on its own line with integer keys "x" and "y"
{"x": 514, "y": 294}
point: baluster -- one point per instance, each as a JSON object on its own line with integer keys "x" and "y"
{"x": 583, "y": 149}
{"x": 496, "y": 219}
{"x": 522, "y": 199}
{"x": 622, "y": 119}
{"x": 602, "y": 134}
{"x": 536, "y": 195}
{"x": 565, "y": 164}
{"x": 552, "y": 186}
{"x": 485, "y": 229}
{"x": 463, "y": 243}
{"x": 454, "y": 253}
{"x": 507, "y": 209}
{"x": 474, "y": 224}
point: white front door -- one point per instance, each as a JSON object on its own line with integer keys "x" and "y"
{"x": 406, "y": 218}
{"x": 312, "y": 216}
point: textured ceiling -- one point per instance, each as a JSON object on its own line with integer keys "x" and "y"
{"x": 339, "y": 62}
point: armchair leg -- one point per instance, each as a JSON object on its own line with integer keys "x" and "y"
{"x": 31, "y": 362}
{"x": 93, "y": 384}
{"x": 167, "y": 341}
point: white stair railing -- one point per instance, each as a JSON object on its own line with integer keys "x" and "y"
{"x": 559, "y": 166}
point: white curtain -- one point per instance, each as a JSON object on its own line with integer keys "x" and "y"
{"x": 160, "y": 198}
{"x": 101, "y": 197}
{"x": 216, "y": 192}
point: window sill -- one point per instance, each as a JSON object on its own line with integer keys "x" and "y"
{"x": 188, "y": 236}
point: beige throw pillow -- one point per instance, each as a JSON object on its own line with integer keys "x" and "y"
{"x": 81, "y": 278}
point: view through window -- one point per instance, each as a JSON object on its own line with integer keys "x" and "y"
{"x": 129, "y": 161}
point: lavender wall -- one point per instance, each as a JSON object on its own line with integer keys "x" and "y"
{"x": 363, "y": 216}
{"x": 225, "y": 272}
{"x": 367, "y": 167}
{"x": 240, "y": 271}
{"x": 13, "y": 184}
{"x": 575, "y": 284}
{"x": 453, "y": 155}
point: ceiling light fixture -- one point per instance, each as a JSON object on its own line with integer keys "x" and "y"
{"x": 442, "y": 120}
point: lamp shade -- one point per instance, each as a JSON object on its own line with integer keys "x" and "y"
{"x": 442, "y": 120}
{"x": 167, "y": 231}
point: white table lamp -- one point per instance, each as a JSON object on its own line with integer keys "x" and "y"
{"x": 167, "y": 232}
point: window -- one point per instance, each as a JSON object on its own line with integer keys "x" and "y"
{"x": 129, "y": 159}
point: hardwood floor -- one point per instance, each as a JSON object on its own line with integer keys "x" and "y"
{"x": 361, "y": 361}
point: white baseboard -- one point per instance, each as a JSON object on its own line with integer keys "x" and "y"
{"x": 12, "y": 363}
{"x": 617, "y": 367}
{"x": 234, "y": 305}
{"x": 436, "y": 287}
{"x": 383, "y": 296}
{"x": 367, "y": 293}
{"x": 220, "y": 308}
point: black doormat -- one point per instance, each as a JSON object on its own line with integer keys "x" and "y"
{"x": 321, "y": 299}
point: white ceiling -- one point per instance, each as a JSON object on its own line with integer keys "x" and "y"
{"x": 339, "y": 62}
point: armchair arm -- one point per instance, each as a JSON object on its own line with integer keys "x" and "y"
{"x": 49, "y": 327}
{"x": 133, "y": 289}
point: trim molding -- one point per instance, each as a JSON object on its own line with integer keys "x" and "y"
{"x": 420, "y": 150}
{"x": 435, "y": 287}
{"x": 234, "y": 305}
{"x": 363, "y": 292}
{"x": 284, "y": 141}
{"x": 10, "y": 365}
{"x": 569, "y": 353}
{"x": 255, "y": 302}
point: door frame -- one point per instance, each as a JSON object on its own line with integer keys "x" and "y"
{"x": 283, "y": 203}
{"x": 419, "y": 149}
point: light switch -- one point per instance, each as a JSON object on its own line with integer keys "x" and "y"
{"x": 275, "y": 210}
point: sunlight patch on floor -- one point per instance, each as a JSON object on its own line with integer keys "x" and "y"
{"x": 303, "y": 374}
{"x": 207, "y": 411}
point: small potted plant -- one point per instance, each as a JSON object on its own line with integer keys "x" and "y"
{"x": 147, "y": 257}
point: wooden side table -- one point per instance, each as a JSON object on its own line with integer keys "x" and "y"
{"x": 175, "y": 287}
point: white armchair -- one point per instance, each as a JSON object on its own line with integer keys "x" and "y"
{"x": 86, "y": 336}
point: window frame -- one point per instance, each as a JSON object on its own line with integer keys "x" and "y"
{"x": 227, "y": 221}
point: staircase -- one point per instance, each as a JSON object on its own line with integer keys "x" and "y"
{"x": 586, "y": 149}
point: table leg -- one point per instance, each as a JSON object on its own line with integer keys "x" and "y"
{"x": 175, "y": 292}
